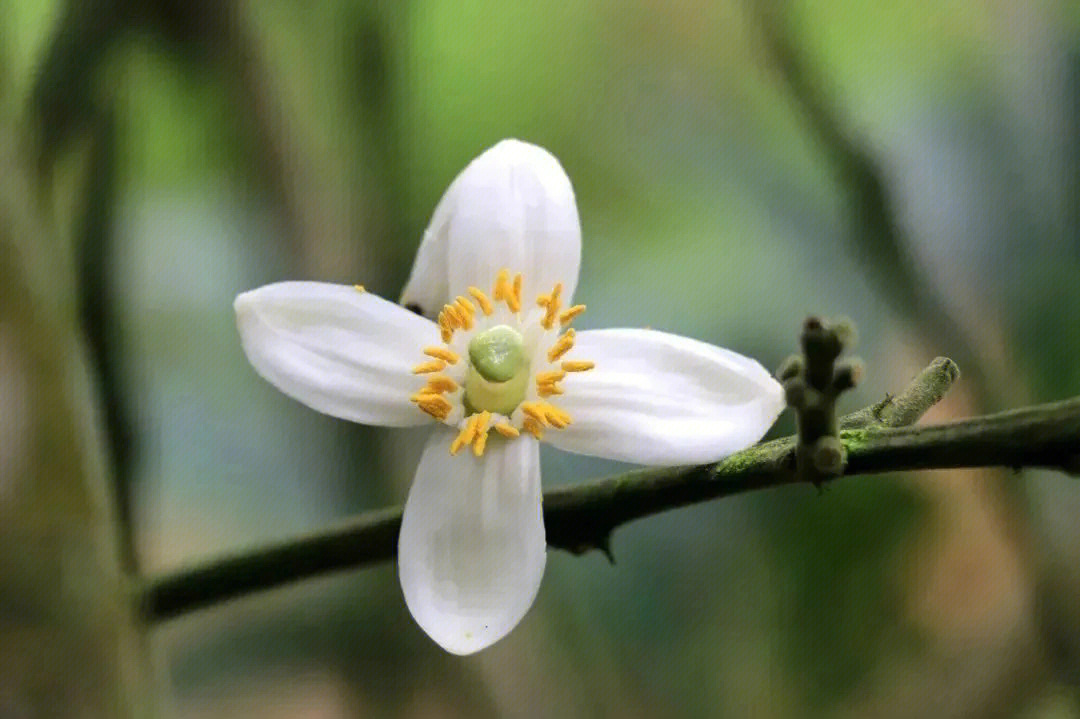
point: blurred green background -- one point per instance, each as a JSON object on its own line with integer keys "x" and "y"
{"x": 738, "y": 165}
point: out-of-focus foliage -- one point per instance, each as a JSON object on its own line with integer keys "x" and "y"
{"x": 190, "y": 151}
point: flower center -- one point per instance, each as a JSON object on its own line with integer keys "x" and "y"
{"x": 499, "y": 364}
{"x": 498, "y": 375}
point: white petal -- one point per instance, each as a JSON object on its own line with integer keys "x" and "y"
{"x": 338, "y": 350}
{"x": 471, "y": 551}
{"x": 657, "y": 398}
{"x": 512, "y": 207}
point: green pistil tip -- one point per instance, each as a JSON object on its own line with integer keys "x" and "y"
{"x": 497, "y": 354}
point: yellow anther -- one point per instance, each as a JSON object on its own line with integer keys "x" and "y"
{"x": 453, "y": 316}
{"x": 577, "y": 365}
{"x": 463, "y": 303}
{"x": 482, "y": 300}
{"x": 568, "y": 315}
{"x": 561, "y": 346}
{"x": 359, "y": 288}
{"x": 533, "y": 427}
{"x": 556, "y": 417}
{"x": 446, "y": 330}
{"x": 443, "y": 353}
{"x": 465, "y": 310}
{"x": 535, "y": 411}
{"x": 430, "y": 366}
{"x": 441, "y": 383}
{"x": 550, "y": 377}
{"x": 546, "y": 414}
{"x": 423, "y": 394}
{"x": 547, "y": 390}
{"x": 435, "y": 405}
{"x": 502, "y": 285}
{"x": 556, "y": 422}
{"x": 480, "y": 444}
{"x": 507, "y": 430}
{"x": 551, "y": 306}
{"x": 466, "y": 435}
{"x": 507, "y": 292}
{"x": 482, "y": 420}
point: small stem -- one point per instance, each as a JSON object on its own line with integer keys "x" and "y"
{"x": 583, "y": 516}
{"x": 924, "y": 391}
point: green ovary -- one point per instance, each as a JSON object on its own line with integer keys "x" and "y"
{"x": 498, "y": 371}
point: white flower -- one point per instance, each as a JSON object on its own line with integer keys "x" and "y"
{"x": 499, "y": 370}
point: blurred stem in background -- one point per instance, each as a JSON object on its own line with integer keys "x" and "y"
{"x": 70, "y": 644}
{"x": 875, "y": 236}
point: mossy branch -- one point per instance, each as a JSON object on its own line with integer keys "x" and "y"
{"x": 583, "y": 516}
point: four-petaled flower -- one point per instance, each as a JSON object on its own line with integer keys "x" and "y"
{"x": 499, "y": 369}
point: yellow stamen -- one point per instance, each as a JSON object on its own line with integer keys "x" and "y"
{"x": 507, "y": 292}
{"x": 556, "y": 417}
{"x": 556, "y": 422}
{"x": 435, "y": 405}
{"x": 551, "y": 306}
{"x": 430, "y": 366}
{"x": 547, "y": 390}
{"x": 465, "y": 311}
{"x": 481, "y": 433}
{"x": 482, "y": 300}
{"x": 502, "y": 285}
{"x": 550, "y": 377}
{"x": 463, "y": 303}
{"x": 480, "y": 444}
{"x": 561, "y": 346}
{"x": 507, "y": 430}
{"x": 453, "y": 317}
{"x": 568, "y": 315}
{"x": 533, "y": 427}
{"x": 534, "y": 410}
{"x": 359, "y": 288}
{"x": 577, "y": 365}
{"x": 445, "y": 329}
{"x": 441, "y": 383}
{"x": 546, "y": 414}
{"x": 466, "y": 435}
{"x": 443, "y": 353}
